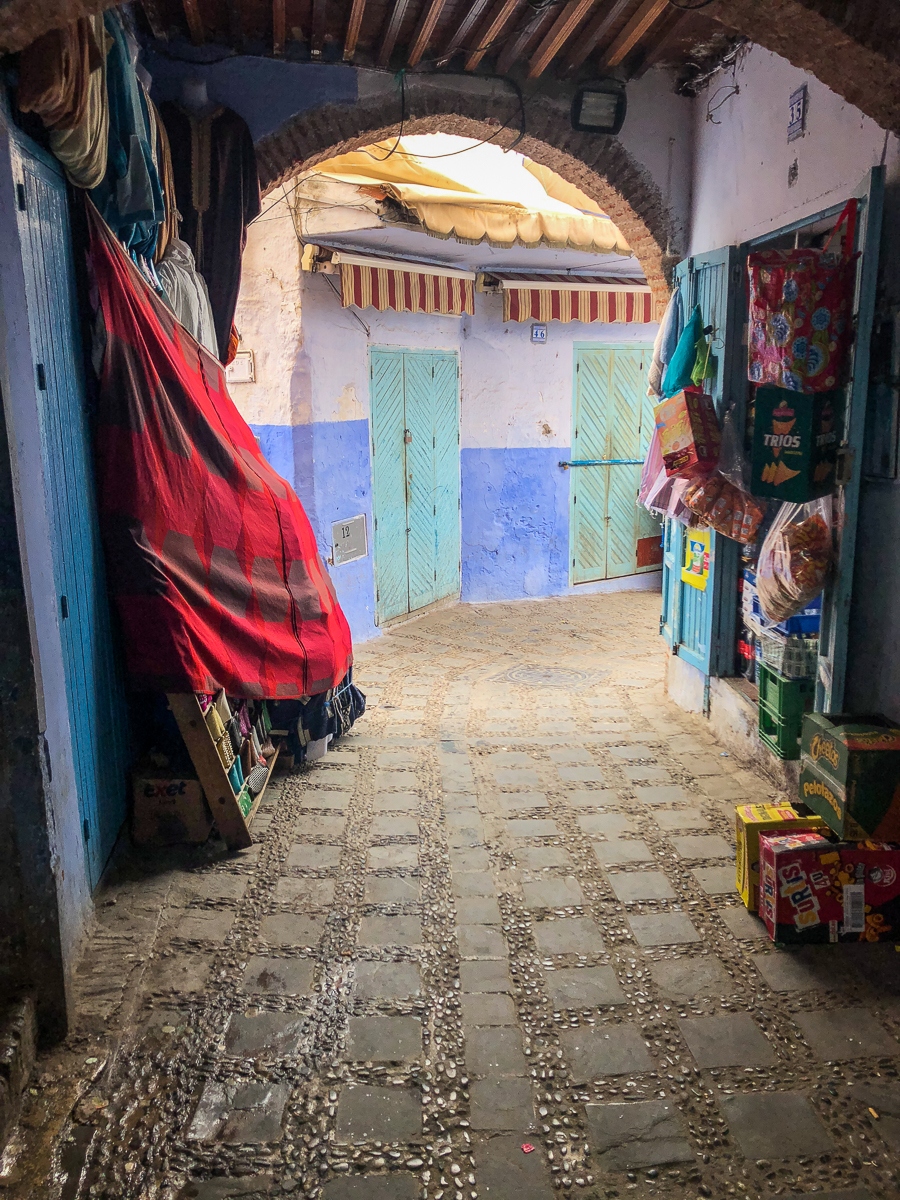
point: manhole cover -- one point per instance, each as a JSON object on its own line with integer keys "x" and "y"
{"x": 561, "y": 677}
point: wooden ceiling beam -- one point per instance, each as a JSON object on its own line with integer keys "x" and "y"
{"x": 279, "y": 27}
{"x": 604, "y": 21}
{"x": 645, "y": 17}
{"x": 659, "y": 49}
{"x": 425, "y": 30}
{"x": 492, "y": 31}
{"x": 194, "y": 21}
{"x": 353, "y": 27}
{"x": 559, "y": 33}
{"x": 391, "y": 32}
{"x": 317, "y": 34}
{"x": 515, "y": 47}
{"x": 465, "y": 28}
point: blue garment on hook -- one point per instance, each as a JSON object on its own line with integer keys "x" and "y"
{"x": 681, "y": 364}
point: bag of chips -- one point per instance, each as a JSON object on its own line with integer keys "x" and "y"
{"x": 728, "y": 509}
{"x": 794, "y": 558}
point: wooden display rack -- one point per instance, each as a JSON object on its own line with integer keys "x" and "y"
{"x": 225, "y": 807}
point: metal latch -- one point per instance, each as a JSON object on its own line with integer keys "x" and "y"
{"x": 407, "y": 436}
{"x": 844, "y": 469}
{"x": 603, "y": 462}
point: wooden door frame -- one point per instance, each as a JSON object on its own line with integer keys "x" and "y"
{"x": 577, "y": 347}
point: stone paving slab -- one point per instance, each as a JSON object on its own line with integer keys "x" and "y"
{"x": 609, "y": 824}
{"x": 643, "y": 1134}
{"x": 496, "y": 1050}
{"x": 248, "y": 1188}
{"x": 308, "y": 856}
{"x": 687, "y": 978}
{"x": 292, "y": 929}
{"x": 641, "y": 885}
{"x": 383, "y": 1039}
{"x": 378, "y": 930}
{"x": 201, "y": 925}
{"x": 303, "y": 893}
{"x": 501, "y": 1103}
{"x": 663, "y": 929}
{"x": 844, "y": 1033}
{"x": 269, "y": 1034}
{"x": 584, "y": 987}
{"x": 550, "y": 892}
{"x": 505, "y": 1173}
{"x": 279, "y": 976}
{"x": 591, "y": 1053}
{"x": 487, "y": 1008}
{"x": 373, "y": 1187}
{"x": 715, "y": 881}
{"x": 775, "y": 1125}
{"x": 485, "y": 975}
{"x": 379, "y": 1114}
{"x": 568, "y": 935}
{"x": 732, "y": 1040}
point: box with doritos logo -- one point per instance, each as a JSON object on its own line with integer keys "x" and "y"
{"x": 850, "y": 774}
{"x": 813, "y": 890}
{"x": 751, "y": 820}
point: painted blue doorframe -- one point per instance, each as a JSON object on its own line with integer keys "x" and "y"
{"x": 97, "y": 711}
{"x": 700, "y": 626}
{"x": 834, "y": 633}
{"x": 415, "y": 478}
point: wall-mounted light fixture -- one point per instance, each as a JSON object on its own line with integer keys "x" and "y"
{"x": 600, "y": 107}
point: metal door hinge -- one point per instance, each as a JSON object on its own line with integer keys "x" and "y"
{"x": 20, "y": 197}
{"x": 844, "y": 469}
{"x": 86, "y": 829}
{"x": 64, "y": 607}
{"x": 41, "y": 377}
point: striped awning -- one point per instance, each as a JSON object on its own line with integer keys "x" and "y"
{"x": 576, "y": 298}
{"x": 405, "y": 287}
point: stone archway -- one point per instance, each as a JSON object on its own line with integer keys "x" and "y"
{"x": 600, "y": 166}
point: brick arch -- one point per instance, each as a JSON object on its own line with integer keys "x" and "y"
{"x": 600, "y": 166}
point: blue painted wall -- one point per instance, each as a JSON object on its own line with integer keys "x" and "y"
{"x": 515, "y": 523}
{"x": 329, "y": 466}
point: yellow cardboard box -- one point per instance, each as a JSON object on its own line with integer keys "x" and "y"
{"x": 752, "y": 820}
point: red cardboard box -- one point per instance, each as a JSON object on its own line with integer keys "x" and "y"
{"x": 816, "y": 890}
{"x": 689, "y": 437}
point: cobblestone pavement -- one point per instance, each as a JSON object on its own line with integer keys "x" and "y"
{"x": 500, "y": 916}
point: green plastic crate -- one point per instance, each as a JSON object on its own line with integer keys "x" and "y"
{"x": 780, "y": 734}
{"x": 784, "y": 697}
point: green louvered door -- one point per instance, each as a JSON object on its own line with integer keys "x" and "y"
{"x": 610, "y": 535}
{"x": 415, "y": 457}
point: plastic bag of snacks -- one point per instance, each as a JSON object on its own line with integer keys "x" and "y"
{"x": 794, "y": 558}
{"x": 728, "y": 509}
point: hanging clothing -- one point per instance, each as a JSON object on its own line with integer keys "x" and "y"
{"x": 681, "y": 364}
{"x": 129, "y": 197}
{"x": 169, "y": 228}
{"x": 217, "y": 191}
{"x": 211, "y": 559}
{"x": 666, "y": 341}
{"x": 186, "y": 293}
{"x": 54, "y": 74}
{"x": 83, "y": 149}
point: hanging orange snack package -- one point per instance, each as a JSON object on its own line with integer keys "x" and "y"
{"x": 794, "y": 558}
{"x": 724, "y": 507}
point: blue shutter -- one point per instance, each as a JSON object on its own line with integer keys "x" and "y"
{"x": 590, "y": 484}
{"x": 700, "y": 625}
{"x": 97, "y": 711}
{"x": 420, "y": 480}
{"x": 389, "y": 483}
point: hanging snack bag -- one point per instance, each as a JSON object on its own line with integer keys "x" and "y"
{"x": 794, "y": 558}
{"x": 724, "y": 507}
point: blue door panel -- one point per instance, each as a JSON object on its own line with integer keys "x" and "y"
{"x": 97, "y": 712}
{"x": 389, "y": 483}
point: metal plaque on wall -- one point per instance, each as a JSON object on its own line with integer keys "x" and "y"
{"x": 349, "y": 540}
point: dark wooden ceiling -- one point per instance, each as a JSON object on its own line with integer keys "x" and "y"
{"x": 564, "y": 38}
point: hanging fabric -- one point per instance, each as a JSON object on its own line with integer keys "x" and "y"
{"x": 129, "y": 197}
{"x": 217, "y": 193}
{"x": 801, "y": 313}
{"x": 666, "y": 340}
{"x": 54, "y": 74}
{"x": 186, "y": 292}
{"x": 211, "y": 558}
{"x": 168, "y": 231}
{"x": 679, "y": 372}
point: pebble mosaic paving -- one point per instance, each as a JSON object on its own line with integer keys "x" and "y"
{"x": 498, "y": 917}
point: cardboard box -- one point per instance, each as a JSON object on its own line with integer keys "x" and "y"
{"x": 850, "y": 774}
{"x": 814, "y": 890}
{"x": 689, "y": 437}
{"x": 795, "y": 442}
{"x": 751, "y": 820}
{"x": 169, "y": 810}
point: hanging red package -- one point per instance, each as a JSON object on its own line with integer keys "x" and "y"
{"x": 801, "y": 310}
{"x": 210, "y": 557}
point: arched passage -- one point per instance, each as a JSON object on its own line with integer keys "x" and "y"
{"x": 600, "y": 166}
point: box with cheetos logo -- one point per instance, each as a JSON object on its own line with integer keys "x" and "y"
{"x": 850, "y": 774}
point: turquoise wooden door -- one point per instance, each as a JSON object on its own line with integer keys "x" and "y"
{"x": 612, "y": 420}
{"x": 415, "y": 476}
{"x": 97, "y": 712}
{"x": 698, "y": 626}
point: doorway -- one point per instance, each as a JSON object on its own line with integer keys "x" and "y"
{"x": 415, "y": 479}
{"x": 611, "y": 536}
